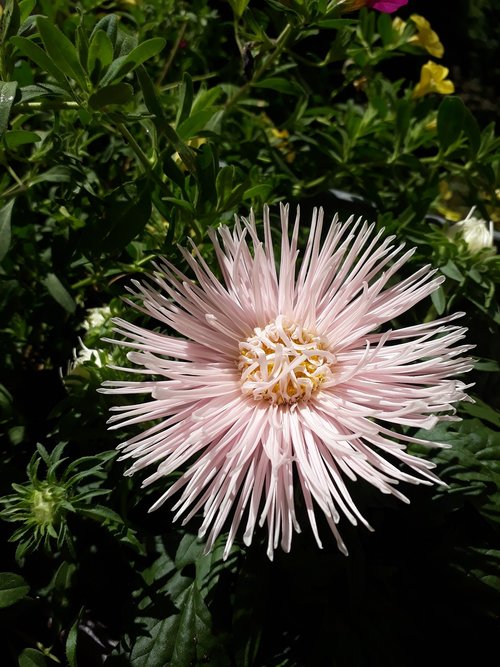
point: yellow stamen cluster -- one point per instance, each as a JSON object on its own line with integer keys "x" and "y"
{"x": 283, "y": 363}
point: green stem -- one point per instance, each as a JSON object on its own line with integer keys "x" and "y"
{"x": 123, "y": 130}
{"x": 281, "y": 43}
{"x": 142, "y": 158}
{"x": 46, "y": 105}
{"x": 172, "y": 54}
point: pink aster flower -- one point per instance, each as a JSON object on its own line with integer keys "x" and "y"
{"x": 280, "y": 384}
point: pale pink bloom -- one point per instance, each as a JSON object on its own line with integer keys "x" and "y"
{"x": 279, "y": 382}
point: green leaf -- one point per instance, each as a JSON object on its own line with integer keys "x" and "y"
{"x": 450, "y": 120}
{"x": 30, "y": 657}
{"x": 100, "y": 52}
{"x": 195, "y": 123}
{"x": 238, "y": 7}
{"x": 335, "y": 24}
{"x": 12, "y": 588}
{"x": 384, "y": 27}
{"x": 16, "y": 138}
{"x": 40, "y": 58}
{"x": 281, "y": 85}
{"x": 439, "y": 300}
{"x": 472, "y": 131}
{"x": 5, "y": 231}
{"x": 7, "y": 95}
{"x": 126, "y": 212}
{"x": 109, "y": 24}
{"x": 25, "y": 9}
{"x": 116, "y": 93}
{"x": 471, "y": 467}
{"x": 9, "y": 20}
{"x": 61, "y": 50}
{"x": 180, "y": 640}
{"x": 153, "y": 105}
{"x": 58, "y": 174}
{"x": 125, "y": 64}
{"x": 71, "y": 643}
{"x": 185, "y": 99}
{"x": 451, "y": 270}
{"x": 34, "y": 91}
{"x": 60, "y": 294}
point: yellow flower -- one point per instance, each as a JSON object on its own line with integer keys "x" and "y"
{"x": 398, "y": 25}
{"x": 433, "y": 80}
{"x": 279, "y": 139}
{"x": 426, "y": 37}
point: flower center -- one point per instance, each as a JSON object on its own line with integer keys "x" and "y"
{"x": 283, "y": 363}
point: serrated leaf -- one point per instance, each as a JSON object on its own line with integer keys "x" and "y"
{"x": 12, "y": 589}
{"x": 59, "y": 293}
{"x": 116, "y": 93}
{"x": 62, "y": 52}
{"x": 71, "y": 642}
{"x": 31, "y": 657}
{"x": 180, "y": 640}
{"x": 5, "y": 230}
{"x": 7, "y": 95}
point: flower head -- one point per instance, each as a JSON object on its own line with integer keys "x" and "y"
{"x": 477, "y": 233}
{"x": 282, "y": 384}
{"x": 426, "y": 37}
{"x": 433, "y": 80}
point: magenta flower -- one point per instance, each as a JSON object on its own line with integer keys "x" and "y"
{"x": 387, "y": 6}
{"x": 282, "y": 383}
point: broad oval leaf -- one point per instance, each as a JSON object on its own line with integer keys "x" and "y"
{"x": 12, "y": 588}
{"x": 15, "y": 138}
{"x": 31, "y": 657}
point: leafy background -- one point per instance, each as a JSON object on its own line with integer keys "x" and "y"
{"x": 127, "y": 127}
